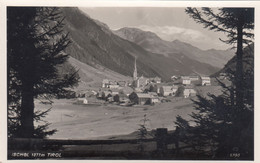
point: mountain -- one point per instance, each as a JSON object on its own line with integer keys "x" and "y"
{"x": 248, "y": 62}
{"x": 151, "y": 42}
{"x": 93, "y": 43}
{"x": 91, "y": 77}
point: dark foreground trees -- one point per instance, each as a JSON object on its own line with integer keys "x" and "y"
{"x": 238, "y": 25}
{"x": 35, "y": 47}
{"x": 223, "y": 126}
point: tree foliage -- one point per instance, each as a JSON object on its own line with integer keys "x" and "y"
{"x": 36, "y": 43}
{"x": 143, "y": 132}
{"x": 133, "y": 98}
{"x": 222, "y": 126}
{"x": 238, "y": 25}
{"x": 226, "y": 20}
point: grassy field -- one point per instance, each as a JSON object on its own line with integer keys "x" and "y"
{"x": 90, "y": 121}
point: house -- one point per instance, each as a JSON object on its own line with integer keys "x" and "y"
{"x": 141, "y": 82}
{"x": 106, "y": 94}
{"x": 113, "y": 84}
{"x": 105, "y": 83}
{"x": 154, "y": 94}
{"x": 186, "y": 80}
{"x": 123, "y": 98}
{"x": 154, "y": 100}
{"x": 205, "y": 81}
{"x": 173, "y": 78}
{"x": 99, "y": 94}
{"x": 223, "y": 75}
{"x": 166, "y": 90}
{"x": 90, "y": 93}
{"x": 155, "y": 80}
{"x": 189, "y": 92}
{"x": 94, "y": 92}
{"x": 127, "y": 90}
{"x": 194, "y": 77}
{"x": 174, "y": 89}
{"x": 156, "y": 87}
{"x": 82, "y": 101}
{"x": 114, "y": 91}
{"x": 122, "y": 83}
{"x": 139, "y": 90}
{"x": 110, "y": 99}
{"x": 143, "y": 98}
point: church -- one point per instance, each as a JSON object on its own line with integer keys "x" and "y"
{"x": 139, "y": 82}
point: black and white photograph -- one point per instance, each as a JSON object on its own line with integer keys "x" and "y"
{"x": 130, "y": 83}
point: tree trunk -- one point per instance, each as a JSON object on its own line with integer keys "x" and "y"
{"x": 27, "y": 112}
{"x": 239, "y": 68}
{"x": 239, "y": 101}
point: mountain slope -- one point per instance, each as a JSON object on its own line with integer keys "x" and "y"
{"x": 94, "y": 44}
{"x": 248, "y": 62}
{"x": 153, "y": 43}
{"x": 91, "y": 78}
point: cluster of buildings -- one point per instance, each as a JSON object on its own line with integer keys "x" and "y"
{"x": 142, "y": 90}
{"x": 196, "y": 80}
{"x": 106, "y": 83}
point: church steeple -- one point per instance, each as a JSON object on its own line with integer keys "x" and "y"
{"x": 135, "y": 71}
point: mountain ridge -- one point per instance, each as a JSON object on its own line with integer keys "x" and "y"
{"x": 94, "y": 44}
{"x": 216, "y": 58}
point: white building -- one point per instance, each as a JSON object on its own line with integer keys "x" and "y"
{"x": 166, "y": 90}
{"x": 186, "y": 80}
{"x": 145, "y": 98}
{"x": 188, "y": 92}
{"x": 205, "y": 81}
{"x": 105, "y": 83}
{"x": 82, "y": 100}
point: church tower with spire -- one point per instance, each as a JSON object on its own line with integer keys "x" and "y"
{"x": 135, "y": 71}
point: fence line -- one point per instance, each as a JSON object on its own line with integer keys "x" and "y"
{"x": 15, "y": 141}
{"x": 162, "y": 139}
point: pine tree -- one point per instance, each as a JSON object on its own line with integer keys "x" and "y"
{"x": 35, "y": 47}
{"x": 224, "y": 124}
{"x": 238, "y": 25}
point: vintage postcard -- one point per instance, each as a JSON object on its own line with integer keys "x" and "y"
{"x": 120, "y": 80}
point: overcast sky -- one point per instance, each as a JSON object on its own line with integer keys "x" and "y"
{"x": 168, "y": 23}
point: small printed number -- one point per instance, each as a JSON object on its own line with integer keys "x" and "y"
{"x": 236, "y": 155}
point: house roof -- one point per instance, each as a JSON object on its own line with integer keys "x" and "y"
{"x": 121, "y": 83}
{"x": 205, "y": 78}
{"x": 127, "y": 90}
{"x": 189, "y": 87}
{"x": 158, "y": 85}
{"x": 105, "y": 81}
{"x": 122, "y": 95}
{"x": 107, "y": 93}
{"x": 104, "y": 89}
{"x": 167, "y": 88}
{"x": 113, "y": 82}
{"x": 143, "y": 95}
{"x": 153, "y": 93}
{"x": 194, "y": 76}
{"x": 114, "y": 89}
{"x": 156, "y": 78}
{"x": 187, "y": 91}
{"x": 185, "y": 78}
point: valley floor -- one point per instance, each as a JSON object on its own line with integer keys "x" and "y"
{"x": 91, "y": 121}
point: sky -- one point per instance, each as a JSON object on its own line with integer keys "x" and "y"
{"x": 168, "y": 23}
